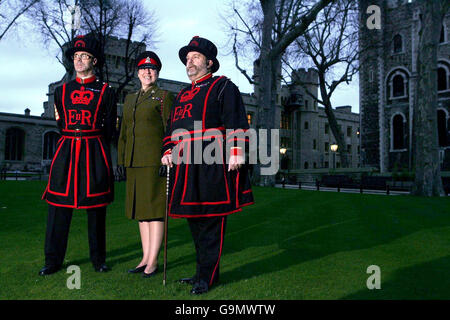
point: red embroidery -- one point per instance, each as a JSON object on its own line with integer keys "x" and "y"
{"x": 188, "y": 95}
{"x": 81, "y": 96}
{"x": 180, "y": 112}
{"x": 80, "y": 43}
{"x": 83, "y": 117}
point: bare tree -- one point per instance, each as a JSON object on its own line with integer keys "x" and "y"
{"x": 426, "y": 155}
{"x": 11, "y": 11}
{"x": 281, "y": 23}
{"x": 330, "y": 46}
{"x": 127, "y": 20}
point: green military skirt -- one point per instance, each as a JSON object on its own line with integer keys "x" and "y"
{"x": 145, "y": 194}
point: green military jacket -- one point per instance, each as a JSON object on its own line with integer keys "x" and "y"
{"x": 143, "y": 126}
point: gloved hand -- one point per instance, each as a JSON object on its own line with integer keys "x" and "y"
{"x": 121, "y": 173}
{"x": 162, "y": 171}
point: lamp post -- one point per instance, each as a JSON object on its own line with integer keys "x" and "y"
{"x": 283, "y": 161}
{"x": 334, "y": 147}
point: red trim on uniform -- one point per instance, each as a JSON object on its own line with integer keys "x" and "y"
{"x": 85, "y": 80}
{"x": 205, "y": 77}
{"x": 185, "y": 182}
{"x": 193, "y": 132}
{"x": 173, "y": 189}
{"x": 237, "y": 190}
{"x": 179, "y": 93}
{"x": 88, "y": 193}
{"x": 175, "y": 215}
{"x": 77, "y": 159}
{"x": 69, "y": 175}
{"x": 247, "y": 204}
{"x": 236, "y": 151}
{"x": 143, "y": 61}
{"x": 81, "y": 131}
{"x": 63, "y": 104}
{"x": 247, "y": 191}
{"x": 169, "y": 142}
{"x": 98, "y": 104}
{"x": 220, "y": 252}
{"x": 74, "y": 207}
{"x": 206, "y": 101}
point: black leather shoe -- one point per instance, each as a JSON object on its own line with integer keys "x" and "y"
{"x": 199, "y": 287}
{"x": 186, "y": 281}
{"x": 138, "y": 269}
{"x": 151, "y": 274}
{"x": 102, "y": 268}
{"x": 46, "y": 270}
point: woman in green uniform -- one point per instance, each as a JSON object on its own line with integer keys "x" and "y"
{"x": 145, "y": 114}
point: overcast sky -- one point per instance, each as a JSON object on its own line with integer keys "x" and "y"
{"x": 27, "y": 66}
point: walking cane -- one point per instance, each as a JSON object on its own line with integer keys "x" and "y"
{"x": 166, "y": 222}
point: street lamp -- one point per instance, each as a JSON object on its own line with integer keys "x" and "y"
{"x": 334, "y": 147}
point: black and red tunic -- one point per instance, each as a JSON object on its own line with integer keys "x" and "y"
{"x": 81, "y": 175}
{"x": 203, "y": 190}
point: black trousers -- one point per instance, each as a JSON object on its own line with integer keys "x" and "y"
{"x": 57, "y": 234}
{"x": 208, "y": 235}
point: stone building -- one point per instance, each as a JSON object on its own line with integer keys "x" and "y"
{"x": 305, "y": 135}
{"x": 388, "y": 83}
{"x": 28, "y": 142}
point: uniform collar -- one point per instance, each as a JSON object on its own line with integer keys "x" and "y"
{"x": 85, "y": 80}
{"x": 203, "y": 78}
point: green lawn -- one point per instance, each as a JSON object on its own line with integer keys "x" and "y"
{"x": 291, "y": 244}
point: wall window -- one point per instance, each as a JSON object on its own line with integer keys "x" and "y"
{"x": 349, "y": 131}
{"x": 314, "y": 144}
{"x": 285, "y": 121}
{"x": 443, "y": 37}
{"x": 398, "y": 131}
{"x": 14, "y": 144}
{"x": 306, "y": 125}
{"x": 306, "y": 165}
{"x": 442, "y": 128}
{"x": 397, "y": 84}
{"x": 249, "y": 118}
{"x": 327, "y": 128}
{"x": 398, "y": 88}
{"x": 50, "y": 139}
{"x": 327, "y": 147}
{"x": 397, "y": 44}
{"x": 443, "y": 78}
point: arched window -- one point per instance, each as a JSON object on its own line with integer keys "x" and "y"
{"x": 443, "y": 37}
{"x": 442, "y": 128}
{"x": 397, "y": 84}
{"x": 14, "y": 144}
{"x": 398, "y": 131}
{"x": 442, "y": 74}
{"x": 398, "y": 89}
{"x": 50, "y": 139}
{"x": 397, "y": 44}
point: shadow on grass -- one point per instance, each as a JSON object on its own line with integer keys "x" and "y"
{"x": 303, "y": 226}
{"x": 428, "y": 280}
